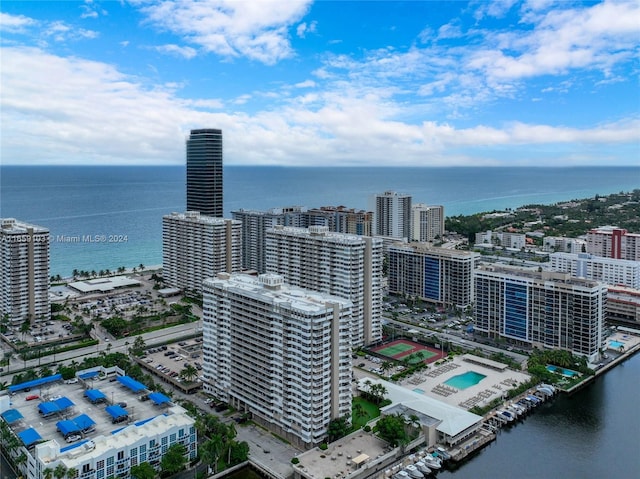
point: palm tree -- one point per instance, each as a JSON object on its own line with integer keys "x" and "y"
{"x": 72, "y": 473}
{"x": 47, "y": 473}
{"x": 359, "y": 410}
{"x": 386, "y": 366}
{"x": 189, "y": 373}
{"x": 60, "y": 471}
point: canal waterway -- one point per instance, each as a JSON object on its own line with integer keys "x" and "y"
{"x": 592, "y": 434}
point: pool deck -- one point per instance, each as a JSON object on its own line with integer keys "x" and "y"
{"x": 494, "y": 385}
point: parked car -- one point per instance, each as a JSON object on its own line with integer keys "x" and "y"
{"x": 32, "y": 397}
{"x": 73, "y": 438}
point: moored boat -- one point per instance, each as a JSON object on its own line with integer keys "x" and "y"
{"x": 422, "y": 467}
{"x": 414, "y": 472}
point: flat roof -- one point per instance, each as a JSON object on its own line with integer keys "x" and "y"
{"x": 47, "y": 428}
{"x": 453, "y": 419}
{"x": 102, "y": 285}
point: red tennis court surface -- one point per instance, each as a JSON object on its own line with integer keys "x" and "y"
{"x": 402, "y": 348}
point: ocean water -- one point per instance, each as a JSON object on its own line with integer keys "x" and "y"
{"x": 121, "y": 208}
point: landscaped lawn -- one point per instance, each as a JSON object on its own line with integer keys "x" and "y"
{"x": 371, "y": 409}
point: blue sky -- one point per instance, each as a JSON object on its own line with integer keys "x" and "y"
{"x": 302, "y": 83}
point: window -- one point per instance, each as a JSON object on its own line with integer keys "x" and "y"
{"x": 100, "y": 464}
{"x": 110, "y": 461}
{"x": 120, "y": 455}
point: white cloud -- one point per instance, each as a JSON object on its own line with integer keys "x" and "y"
{"x": 303, "y": 28}
{"x": 61, "y": 32}
{"x": 597, "y": 37}
{"x": 184, "y": 52}
{"x": 73, "y": 111}
{"x": 305, "y": 84}
{"x": 257, "y": 30}
{"x": 15, "y": 23}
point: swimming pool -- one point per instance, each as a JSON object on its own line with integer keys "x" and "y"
{"x": 565, "y": 372}
{"x": 466, "y": 380}
{"x": 615, "y": 344}
{"x": 419, "y": 391}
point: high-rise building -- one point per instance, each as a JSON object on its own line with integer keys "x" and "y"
{"x": 611, "y": 271}
{"x": 391, "y": 214}
{"x": 438, "y": 275}
{"x": 347, "y": 266}
{"x": 254, "y": 230}
{"x": 340, "y": 219}
{"x": 204, "y": 172}
{"x": 541, "y": 309}
{"x": 281, "y": 353}
{"x": 24, "y": 271}
{"x": 428, "y": 222}
{"x": 612, "y": 242}
{"x": 196, "y": 247}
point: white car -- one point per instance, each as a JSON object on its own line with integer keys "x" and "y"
{"x": 73, "y": 438}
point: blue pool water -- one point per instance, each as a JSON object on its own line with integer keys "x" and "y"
{"x": 418, "y": 390}
{"x": 466, "y": 380}
{"x": 565, "y": 372}
{"x": 615, "y": 344}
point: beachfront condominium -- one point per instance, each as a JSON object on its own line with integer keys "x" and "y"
{"x": 24, "y": 271}
{"x": 204, "y": 172}
{"x": 612, "y": 242}
{"x": 197, "y": 247}
{"x": 611, "y": 271}
{"x": 541, "y": 309}
{"x": 391, "y": 214}
{"x": 340, "y": 219}
{"x": 348, "y": 266}
{"x": 428, "y": 222}
{"x": 255, "y": 224}
{"x": 437, "y": 275}
{"x": 278, "y": 352}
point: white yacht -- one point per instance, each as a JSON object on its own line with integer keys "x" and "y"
{"x": 422, "y": 467}
{"x": 401, "y": 475}
{"x": 414, "y": 472}
{"x": 432, "y": 461}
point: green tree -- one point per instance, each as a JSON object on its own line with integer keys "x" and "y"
{"x": 210, "y": 452}
{"x": 238, "y": 452}
{"x": 143, "y": 470}
{"x": 337, "y": 428}
{"x": 189, "y": 373}
{"x": 173, "y": 460}
{"x": 72, "y": 473}
{"x": 60, "y": 471}
{"x": 392, "y": 429}
{"x": 138, "y": 347}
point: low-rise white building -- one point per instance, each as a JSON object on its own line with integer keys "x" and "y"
{"x": 96, "y": 427}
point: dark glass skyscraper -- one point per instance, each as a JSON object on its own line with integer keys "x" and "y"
{"x": 204, "y": 172}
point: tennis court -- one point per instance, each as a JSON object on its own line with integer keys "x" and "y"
{"x": 394, "y": 349}
{"x": 402, "y": 348}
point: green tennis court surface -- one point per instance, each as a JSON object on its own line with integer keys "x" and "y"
{"x": 394, "y": 349}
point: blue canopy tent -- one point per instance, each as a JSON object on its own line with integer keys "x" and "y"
{"x": 89, "y": 375}
{"x": 84, "y": 422}
{"x": 117, "y": 413}
{"x": 95, "y": 395}
{"x": 67, "y": 427}
{"x": 131, "y": 383}
{"x": 159, "y": 398}
{"x": 12, "y": 415}
{"x": 29, "y": 436}
{"x": 35, "y": 383}
{"x": 48, "y": 408}
{"x": 64, "y": 403}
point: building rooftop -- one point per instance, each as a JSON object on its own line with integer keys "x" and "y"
{"x": 271, "y": 286}
{"x": 102, "y": 285}
{"x": 48, "y": 409}
{"x": 13, "y": 226}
